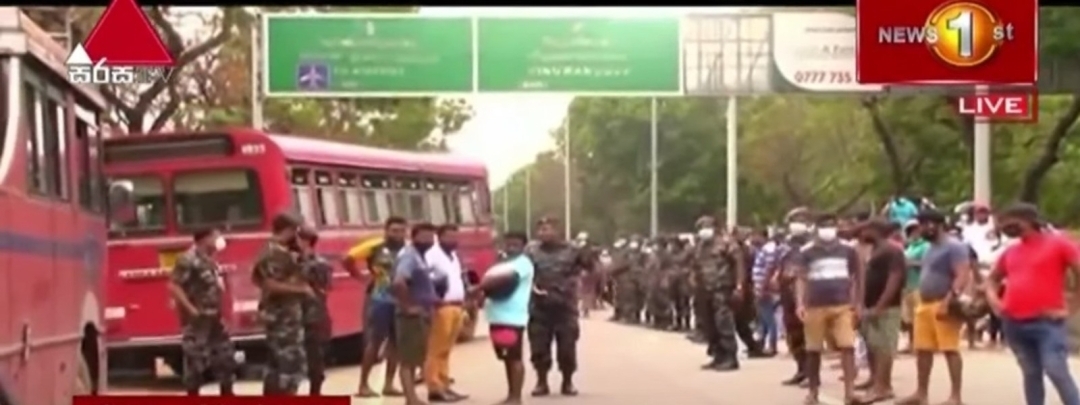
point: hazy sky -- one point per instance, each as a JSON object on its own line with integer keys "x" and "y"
{"x": 507, "y": 132}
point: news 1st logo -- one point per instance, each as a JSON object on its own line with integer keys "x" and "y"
{"x": 123, "y": 48}
{"x": 947, "y": 41}
{"x": 1015, "y": 107}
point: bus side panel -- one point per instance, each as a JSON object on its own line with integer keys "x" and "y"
{"x": 10, "y": 366}
{"x": 346, "y": 300}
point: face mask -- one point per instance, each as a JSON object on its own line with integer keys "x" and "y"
{"x": 797, "y": 228}
{"x": 634, "y": 245}
{"x": 867, "y": 239}
{"x": 620, "y": 243}
{"x": 827, "y": 234}
{"x": 448, "y": 246}
{"x": 647, "y": 250}
{"x": 219, "y": 244}
{"x": 964, "y": 218}
{"x": 394, "y": 243}
{"x": 706, "y": 233}
{"x": 1012, "y": 230}
{"x": 422, "y": 247}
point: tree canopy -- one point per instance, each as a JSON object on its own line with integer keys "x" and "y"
{"x": 840, "y": 153}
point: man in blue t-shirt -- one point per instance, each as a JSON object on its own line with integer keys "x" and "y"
{"x": 509, "y": 315}
{"x": 901, "y": 210}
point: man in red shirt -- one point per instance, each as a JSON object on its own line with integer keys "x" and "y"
{"x": 1032, "y": 308}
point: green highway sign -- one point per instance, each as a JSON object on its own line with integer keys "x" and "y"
{"x": 582, "y": 55}
{"x": 366, "y": 55}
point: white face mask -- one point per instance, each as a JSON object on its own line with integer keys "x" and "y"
{"x": 797, "y": 228}
{"x": 620, "y": 243}
{"x": 827, "y": 233}
{"x": 647, "y": 250}
{"x": 706, "y": 233}
{"x": 634, "y": 245}
{"x": 219, "y": 243}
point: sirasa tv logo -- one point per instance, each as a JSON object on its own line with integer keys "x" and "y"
{"x": 123, "y": 48}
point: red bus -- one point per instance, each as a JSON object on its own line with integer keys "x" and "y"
{"x": 237, "y": 180}
{"x": 52, "y": 222}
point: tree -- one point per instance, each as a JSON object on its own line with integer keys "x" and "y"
{"x": 222, "y": 98}
{"x": 147, "y": 108}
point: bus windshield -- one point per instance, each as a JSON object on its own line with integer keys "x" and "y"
{"x": 226, "y": 198}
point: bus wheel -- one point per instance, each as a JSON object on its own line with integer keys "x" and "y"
{"x": 468, "y": 330}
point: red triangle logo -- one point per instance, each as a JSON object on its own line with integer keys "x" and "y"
{"x": 124, "y": 36}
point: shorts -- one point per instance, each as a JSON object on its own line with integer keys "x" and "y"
{"x": 379, "y": 323}
{"x": 411, "y": 338}
{"x": 507, "y": 341}
{"x": 882, "y": 333}
{"x": 907, "y": 306}
{"x": 932, "y": 332}
{"x": 833, "y": 323}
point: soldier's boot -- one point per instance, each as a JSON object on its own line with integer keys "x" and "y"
{"x": 226, "y": 388}
{"x": 193, "y": 392}
{"x": 315, "y": 386}
{"x": 800, "y": 371}
{"x": 568, "y": 388}
{"x": 542, "y": 389}
{"x": 728, "y": 363}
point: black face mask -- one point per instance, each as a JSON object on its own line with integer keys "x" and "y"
{"x": 930, "y": 234}
{"x": 423, "y": 247}
{"x": 1012, "y": 230}
{"x": 448, "y": 247}
{"x": 869, "y": 240}
{"x": 394, "y": 243}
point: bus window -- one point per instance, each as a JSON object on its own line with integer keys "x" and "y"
{"x": 301, "y": 194}
{"x": 5, "y": 67}
{"x": 149, "y": 207}
{"x": 35, "y": 155}
{"x": 91, "y": 195}
{"x": 436, "y": 209}
{"x": 465, "y": 205}
{"x": 349, "y": 197}
{"x": 324, "y": 195}
{"x": 376, "y": 194}
{"x": 417, "y": 210}
{"x": 228, "y": 198}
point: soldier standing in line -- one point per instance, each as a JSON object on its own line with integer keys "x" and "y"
{"x": 317, "y": 326}
{"x": 638, "y": 283}
{"x": 278, "y": 275}
{"x": 679, "y": 288}
{"x": 196, "y": 287}
{"x": 624, "y": 282}
{"x": 744, "y": 304}
{"x": 782, "y": 278}
{"x": 660, "y": 303}
{"x": 720, "y": 271}
{"x": 615, "y": 272}
{"x": 553, "y": 314}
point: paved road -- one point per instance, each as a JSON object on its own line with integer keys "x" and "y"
{"x": 629, "y": 365}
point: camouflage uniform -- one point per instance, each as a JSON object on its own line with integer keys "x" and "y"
{"x": 620, "y": 274}
{"x": 317, "y": 326}
{"x": 282, "y": 317}
{"x": 793, "y": 327}
{"x": 638, "y": 286}
{"x": 553, "y": 317}
{"x": 205, "y": 343}
{"x": 659, "y": 285}
{"x": 714, "y": 264}
{"x": 681, "y": 290}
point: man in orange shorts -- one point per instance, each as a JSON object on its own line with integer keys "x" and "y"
{"x": 828, "y": 289}
{"x": 945, "y": 274}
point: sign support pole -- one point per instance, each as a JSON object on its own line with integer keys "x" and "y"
{"x": 654, "y": 209}
{"x": 528, "y": 199}
{"x": 256, "y": 77}
{"x": 732, "y": 162}
{"x": 981, "y": 159}
{"x": 566, "y": 177}
{"x": 506, "y": 207}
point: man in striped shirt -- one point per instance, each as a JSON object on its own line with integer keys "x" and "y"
{"x": 765, "y": 258}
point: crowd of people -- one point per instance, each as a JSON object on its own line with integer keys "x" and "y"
{"x": 822, "y": 281}
{"x": 855, "y": 285}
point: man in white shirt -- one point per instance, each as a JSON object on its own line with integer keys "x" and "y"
{"x": 979, "y": 233}
{"x": 448, "y": 316}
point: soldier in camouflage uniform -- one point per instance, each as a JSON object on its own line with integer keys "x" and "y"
{"x": 279, "y": 276}
{"x": 317, "y": 327}
{"x": 553, "y": 312}
{"x": 638, "y": 284}
{"x": 196, "y": 288}
{"x": 659, "y": 282}
{"x": 680, "y": 283}
{"x": 624, "y": 288}
{"x": 718, "y": 267}
{"x": 782, "y": 276}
